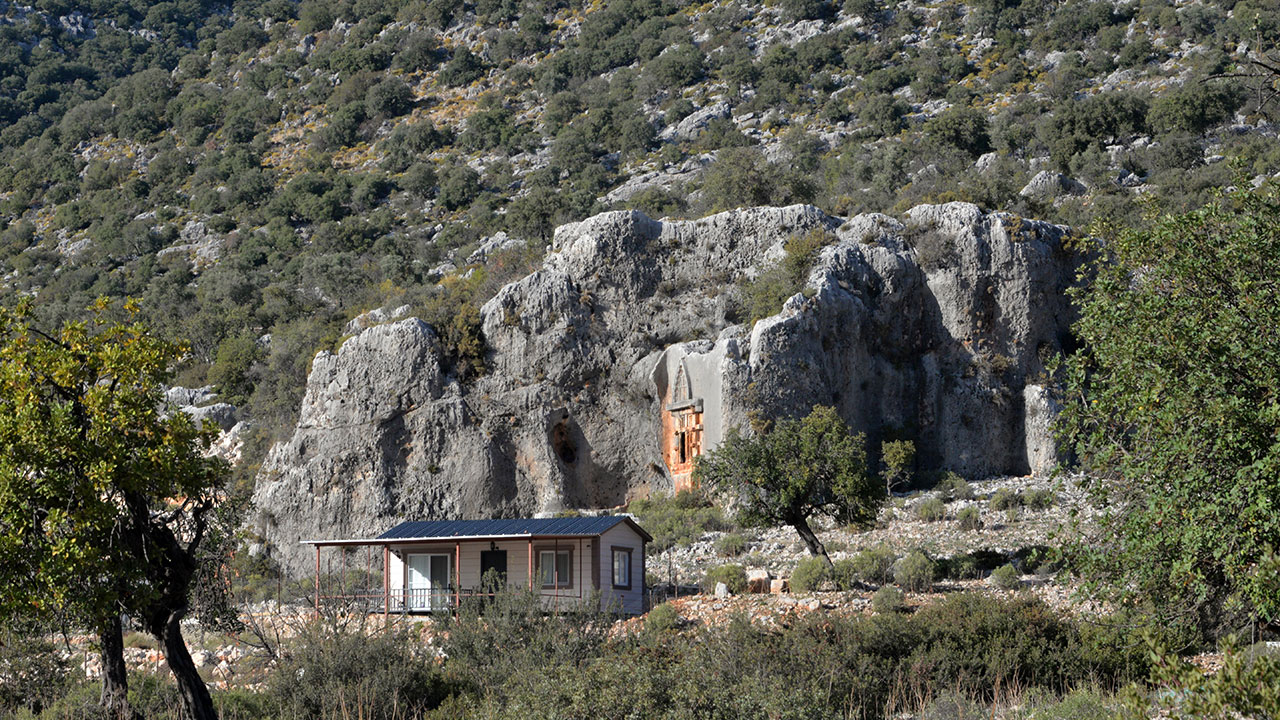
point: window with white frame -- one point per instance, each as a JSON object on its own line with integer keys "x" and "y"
{"x": 555, "y": 568}
{"x": 622, "y": 568}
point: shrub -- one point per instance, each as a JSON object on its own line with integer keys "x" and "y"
{"x": 1006, "y": 577}
{"x": 969, "y": 518}
{"x": 874, "y": 565}
{"x": 490, "y": 645}
{"x": 765, "y": 295}
{"x": 1038, "y": 499}
{"x": 807, "y": 9}
{"x": 845, "y": 574}
{"x": 809, "y": 574}
{"x": 1004, "y": 499}
{"x": 733, "y": 576}
{"x": 419, "y": 179}
{"x": 661, "y": 619}
{"x": 953, "y": 487}
{"x": 1244, "y": 687}
{"x": 32, "y": 672}
{"x": 679, "y": 66}
{"x": 884, "y": 114}
{"x": 463, "y": 69}
{"x": 888, "y": 600}
{"x": 961, "y": 128}
{"x": 931, "y": 509}
{"x": 731, "y": 545}
{"x": 915, "y": 572}
{"x": 740, "y": 177}
{"x": 1194, "y": 107}
{"x": 459, "y": 186}
{"x": 389, "y": 98}
{"x": 371, "y": 675}
{"x": 679, "y": 520}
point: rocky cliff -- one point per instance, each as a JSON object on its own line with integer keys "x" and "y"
{"x": 933, "y": 327}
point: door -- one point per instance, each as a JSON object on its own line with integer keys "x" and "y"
{"x": 495, "y": 560}
{"x": 428, "y": 586}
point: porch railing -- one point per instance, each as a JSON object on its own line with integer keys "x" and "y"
{"x": 402, "y": 600}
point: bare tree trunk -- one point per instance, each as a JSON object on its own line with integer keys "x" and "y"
{"x": 810, "y": 539}
{"x": 191, "y": 687}
{"x": 115, "y": 674}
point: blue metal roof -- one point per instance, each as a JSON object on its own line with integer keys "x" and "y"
{"x": 580, "y": 526}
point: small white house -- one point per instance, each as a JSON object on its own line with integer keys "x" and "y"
{"x": 432, "y": 566}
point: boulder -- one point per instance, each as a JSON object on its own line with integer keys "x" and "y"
{"x": 1049, "y": 185}
{"x": 221, "y": 414}
{"x": 758, "y": 581}
{"x": 691, "y": 125}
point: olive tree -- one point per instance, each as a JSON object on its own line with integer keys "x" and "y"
{"x": 1172, "y": 407}
{"x": 794, "y": 471}
{"x": 106, "y": 501}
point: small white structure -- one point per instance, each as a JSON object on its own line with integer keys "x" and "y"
{"x": 432, "y": 566}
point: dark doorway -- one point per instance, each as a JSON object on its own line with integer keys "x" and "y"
{"x": 495, "y": 560}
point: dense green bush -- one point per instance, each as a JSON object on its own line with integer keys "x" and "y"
{"x": 1194, "y": 107}
{"x": 818, "y": 666}
{"x": 915, "y": 571}
{"x": 809, "y": 574}
{"x": 961, "y": 128}
{"x": 373, "y": 675}
{"x": 845, "y": 574}
{"x": 875, "y": 565}
{"x": 733, "y": 576}
{"x": 1038, "y": 498}
{"x": 953, "y": 487}
{"x": 679, "y": 519}
{"x": 1004, "y": 499}
{"x": 731, "y": 545}
{"x": 888, "y": 600}
{"x": 969, "y": 518}
{"x": 931, "y": 509}
{"x": 661, "y": 619}
{"x": 1006, "y": 577}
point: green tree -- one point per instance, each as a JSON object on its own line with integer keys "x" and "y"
{"x": 962, "y": 128}
{"x": 1173, "y": 409}
{"x": 898, "y": 457}
{"x": 105, "y": 501}
{"x": 797, "y": 470}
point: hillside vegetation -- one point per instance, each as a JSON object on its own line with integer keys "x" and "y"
{"x": 259, "y": 173}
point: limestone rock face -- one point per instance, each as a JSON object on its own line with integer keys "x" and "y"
{"x": 626, "y": 354}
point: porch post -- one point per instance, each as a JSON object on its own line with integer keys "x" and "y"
{"x": 530, "y": 564}
{"x": 457, "y": 575}
{"x": 317, "y": 580}
{"x": 386, "y": 583}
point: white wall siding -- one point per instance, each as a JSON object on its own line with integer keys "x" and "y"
{"x": 622, "y": 535}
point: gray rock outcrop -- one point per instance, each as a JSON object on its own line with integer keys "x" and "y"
{"x": 1049, "y": 185}
{"x": 933, "y": 328}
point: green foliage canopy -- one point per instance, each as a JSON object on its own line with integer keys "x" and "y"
{"x": 1173, "y": 409}
{"x": 797, "y": 470}
{"x": 104, "y": 499}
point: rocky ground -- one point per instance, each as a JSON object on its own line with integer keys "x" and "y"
{"x": 777, "y": 550}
